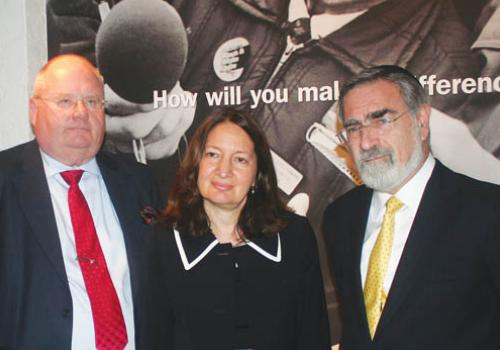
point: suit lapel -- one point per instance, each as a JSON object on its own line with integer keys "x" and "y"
{"x": 435, "y": 210}
{"x": 127, "y": 205}
{"x": 357, "y": 228}
{"x": 36, "y": 204}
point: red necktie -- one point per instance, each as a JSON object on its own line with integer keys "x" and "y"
{"x": 109, "y": 325}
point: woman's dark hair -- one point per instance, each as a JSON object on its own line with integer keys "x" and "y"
{"x": 264, "y": 212}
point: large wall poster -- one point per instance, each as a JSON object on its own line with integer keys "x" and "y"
{"x": 283, "y": 61}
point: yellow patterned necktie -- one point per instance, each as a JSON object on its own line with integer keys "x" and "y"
{"x": 374, "y": 293}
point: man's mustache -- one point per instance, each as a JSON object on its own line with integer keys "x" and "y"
{"x": 375, "y": 152}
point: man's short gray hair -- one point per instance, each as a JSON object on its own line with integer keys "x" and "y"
{"x": 412, "y": 92}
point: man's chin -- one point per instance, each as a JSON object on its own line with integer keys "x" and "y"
{"x": 378, "y": 175}
{"x": 79, "y": 144}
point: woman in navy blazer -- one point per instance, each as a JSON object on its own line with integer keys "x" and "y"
{"x": 229, "y": 266}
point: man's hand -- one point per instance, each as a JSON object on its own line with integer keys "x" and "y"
{"x": 158, "y": 130}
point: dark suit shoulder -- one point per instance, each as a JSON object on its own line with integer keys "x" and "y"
{"x": 298, "y": 229}
{"x": 122, "y": 162}
{"x": 347, "y": 205}
{"x": 162, "y": 241}
{"x": 353, "y": 195}
{"x": 11, "y": 160}
{"x": 163, "y": 232}
{"x": 13, "y": 164}
{"x": 136, "y": 176}
{"x": 468, "y": 188}
{"x": 299, "y": 240}
{"x": 296, "y": 223}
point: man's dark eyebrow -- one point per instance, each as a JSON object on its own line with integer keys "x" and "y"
{"x": 379, "y": 113}
{"x": 372, "y": 115}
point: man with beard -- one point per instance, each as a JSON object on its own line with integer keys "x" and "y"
{"x": 414, "y": 252}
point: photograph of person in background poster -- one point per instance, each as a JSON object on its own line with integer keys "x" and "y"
{"x": 285, "y": 60}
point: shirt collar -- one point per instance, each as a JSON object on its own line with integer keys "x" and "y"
{"x": 324, "y": 24}
{"x": 194, "y": 250}
{"x": 54, "y": 167}
{"x": 411, "y": 192}
{"x": 321, "y": 24}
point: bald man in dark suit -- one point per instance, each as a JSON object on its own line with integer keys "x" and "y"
{"x": 47, "y": 301}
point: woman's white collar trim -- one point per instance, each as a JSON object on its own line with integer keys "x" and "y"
{"x": 189, "y": 265}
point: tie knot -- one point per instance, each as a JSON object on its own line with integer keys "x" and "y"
{"x": 393, "y": 205}
{"x": 72, "y": 177}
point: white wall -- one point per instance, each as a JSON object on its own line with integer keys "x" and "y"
{"x": 23, "y": 50}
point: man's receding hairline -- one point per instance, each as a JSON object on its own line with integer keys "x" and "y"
{"x": 40, "y": 78}
{"x": 375, "y": 81}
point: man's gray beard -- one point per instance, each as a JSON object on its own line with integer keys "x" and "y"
{"x": 387, "y": 175}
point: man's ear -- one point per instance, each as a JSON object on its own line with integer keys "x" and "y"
{"x": 33, "y": 110}
{"x": 423, "y": 119}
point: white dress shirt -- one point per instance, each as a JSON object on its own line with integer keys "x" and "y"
{"x": 410, "y": 195}
{"x": 111, "y": 240}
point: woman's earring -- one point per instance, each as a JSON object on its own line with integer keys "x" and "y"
{"x": 252, "y": 189}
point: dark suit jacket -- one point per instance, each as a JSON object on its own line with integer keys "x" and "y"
{"x": 446, "y": 291}
{"x": 213, "y": 305}
{"x": 35, "y": 300}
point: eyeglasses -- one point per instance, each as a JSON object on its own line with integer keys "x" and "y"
{"x": 378, "y": 121}
{"x": 68, "y": 103}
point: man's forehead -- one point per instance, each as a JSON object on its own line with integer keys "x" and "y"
{"x": 373, "y": 96}
{"x": 62, "y": 79}
{"x": 77, "y": 71}
{"x": 67, "y": 65}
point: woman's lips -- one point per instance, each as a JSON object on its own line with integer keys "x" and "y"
{"x": 222, "y": 186}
